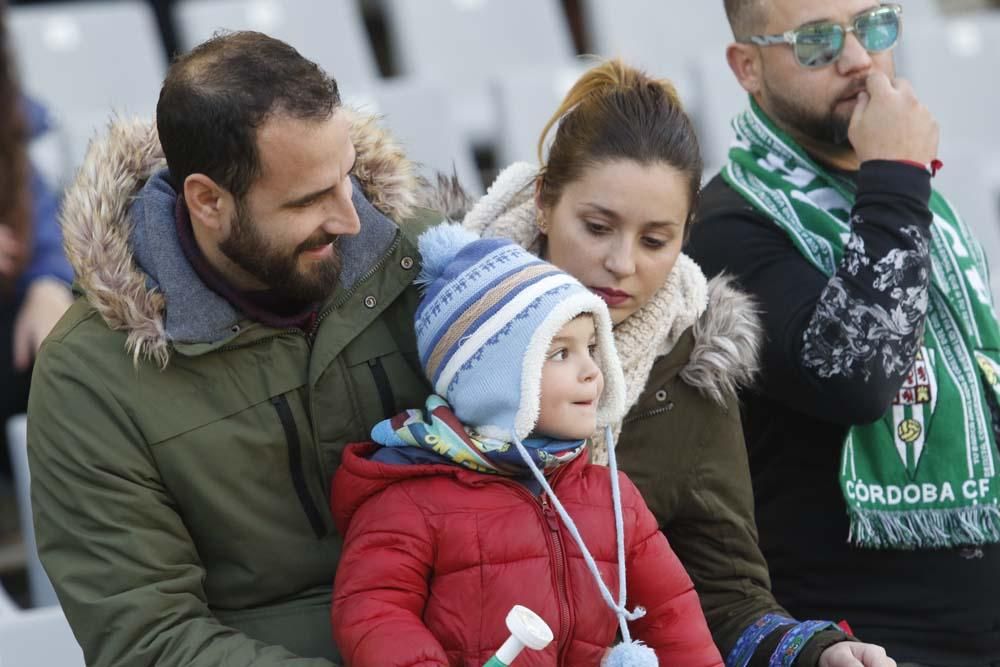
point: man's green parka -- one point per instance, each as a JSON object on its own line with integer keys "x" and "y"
{"x": 181, "y": 454}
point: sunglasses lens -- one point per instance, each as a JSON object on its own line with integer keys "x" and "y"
{"x": 818, "y": 45}
{"x": 878, "y": 30}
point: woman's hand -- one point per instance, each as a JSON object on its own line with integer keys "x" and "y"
{"x": 10, "y": 252}
{"x": 855, "y": 654}
{"x": 44, "y": 303}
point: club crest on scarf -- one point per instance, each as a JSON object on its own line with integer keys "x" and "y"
{"x": 912, "y": 410}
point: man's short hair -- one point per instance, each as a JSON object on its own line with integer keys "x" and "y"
{"x": 746, "y": 17}
{"x": 215, "y": 98}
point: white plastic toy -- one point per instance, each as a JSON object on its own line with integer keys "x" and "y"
{"x": 527, "y": 630}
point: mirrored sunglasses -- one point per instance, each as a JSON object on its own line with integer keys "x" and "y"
{"x": 819, "y": 44}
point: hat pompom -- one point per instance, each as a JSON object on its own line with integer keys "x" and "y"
{"x": 631, "y": 654}
{"x": 438, "y": 247}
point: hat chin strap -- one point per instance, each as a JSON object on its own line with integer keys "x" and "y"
{"x": 623, "y": 614}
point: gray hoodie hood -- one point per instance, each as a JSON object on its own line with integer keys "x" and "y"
{"x": 120, "y": 238}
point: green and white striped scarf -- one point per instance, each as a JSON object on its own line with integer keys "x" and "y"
{"x": 925, "y": 474}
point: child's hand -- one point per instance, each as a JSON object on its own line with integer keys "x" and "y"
{"x": 855, "y": 654}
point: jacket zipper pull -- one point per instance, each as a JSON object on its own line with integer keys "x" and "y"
{"x": 550, "y": 515}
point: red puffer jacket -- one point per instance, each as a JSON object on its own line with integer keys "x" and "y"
{"x": 436, "y": 555}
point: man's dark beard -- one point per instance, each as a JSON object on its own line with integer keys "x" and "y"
{"x": 279, "y": 271}
{"x": 828, "y": 127}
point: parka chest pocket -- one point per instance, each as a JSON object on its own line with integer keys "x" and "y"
{"x": 382, "y": 381}
{"x": 193, "y": 394}
{"x": 217, "y": 434}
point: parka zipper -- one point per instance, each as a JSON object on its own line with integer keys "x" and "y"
{"x": 648, "y": 413}
{"x": 264, "y": 339}
{"x": 284, "y": 411}
{"x": 385, "y": 394}
{"x": 555, "y": 538}
{"x": 354, "y": 288}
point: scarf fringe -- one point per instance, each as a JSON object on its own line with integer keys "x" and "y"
{"x": 925, "y": 529}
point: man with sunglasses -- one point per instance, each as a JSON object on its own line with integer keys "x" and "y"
{"x": 871, "y": 430}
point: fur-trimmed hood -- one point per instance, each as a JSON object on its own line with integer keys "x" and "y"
{"x": 724, "y": 321}
{"x": 727, "y": 340}
{"x": 97, "y": 226}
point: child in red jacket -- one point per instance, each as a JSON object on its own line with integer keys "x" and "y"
{"x": 485, "y": 498}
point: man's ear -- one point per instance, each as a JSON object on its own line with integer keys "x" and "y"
{"x": 208, "y": 203}
{"x": 744, "y": 61}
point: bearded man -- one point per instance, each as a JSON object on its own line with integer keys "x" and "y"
{"x": 244, "y": 271}
{"x": 873, "y": 429}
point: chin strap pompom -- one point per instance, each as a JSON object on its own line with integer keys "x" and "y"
{"x": 634, "y": 654}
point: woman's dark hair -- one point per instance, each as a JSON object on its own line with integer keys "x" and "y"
{"x": 15, "y": 193}
{"x": 617, "y": 112}
{"x": 215, "y": 98}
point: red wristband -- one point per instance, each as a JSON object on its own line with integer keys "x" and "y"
{"x": 934, "y": 166}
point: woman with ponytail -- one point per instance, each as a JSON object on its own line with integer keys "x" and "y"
{"x": 612, "y": 205}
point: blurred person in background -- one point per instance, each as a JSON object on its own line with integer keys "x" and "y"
{"x": 245, "y": 268}
{"x": 34, "y": 274}
{"x": 872, "y": 431}
{"x": 612, "y": 205}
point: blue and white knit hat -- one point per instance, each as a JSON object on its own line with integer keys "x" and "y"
{"x": 489, "y": 312}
